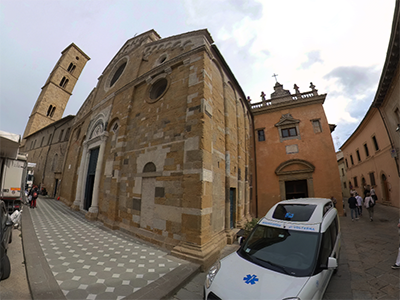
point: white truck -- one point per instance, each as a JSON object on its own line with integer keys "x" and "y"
{"x": 13, "y": 168}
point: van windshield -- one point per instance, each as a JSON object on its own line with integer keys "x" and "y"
{"x": 286, "y": 251}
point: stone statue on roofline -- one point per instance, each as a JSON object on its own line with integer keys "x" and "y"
{"x": 296, "y": 88}
{"x": 312, "y": 87}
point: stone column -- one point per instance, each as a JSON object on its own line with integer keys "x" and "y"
{"x": 94, "y": 208}
{"x": 78, "y": 195}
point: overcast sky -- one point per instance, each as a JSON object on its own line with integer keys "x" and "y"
{"x": 339, "y": 45}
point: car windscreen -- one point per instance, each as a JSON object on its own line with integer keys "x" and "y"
{"x": 286, "y": 251}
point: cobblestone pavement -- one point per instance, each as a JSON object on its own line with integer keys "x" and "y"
{"x": 91, "y": 262}
{"x": 16, "y": 286}
{"x": 368, "y": 250}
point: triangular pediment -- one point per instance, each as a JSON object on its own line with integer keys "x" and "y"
{"x": 287, "y": 119}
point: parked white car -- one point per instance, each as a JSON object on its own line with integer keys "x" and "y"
{"x": 290, "y": 254}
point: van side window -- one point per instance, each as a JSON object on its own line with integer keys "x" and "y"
{"x": 325, "y": 251}
{"x": 334, "y": 231}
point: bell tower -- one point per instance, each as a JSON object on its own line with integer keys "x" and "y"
{"x": 55, "y": 94}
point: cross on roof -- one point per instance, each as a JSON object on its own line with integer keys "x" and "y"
{"x": 275, "y": 75}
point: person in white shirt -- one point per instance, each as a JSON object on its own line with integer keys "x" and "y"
{"x": 369, "y": 204}
{"x": 359, "y": 204}
{"x": 373, "y": 194}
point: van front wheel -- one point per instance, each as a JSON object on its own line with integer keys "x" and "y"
{"x": 6, "y": 268}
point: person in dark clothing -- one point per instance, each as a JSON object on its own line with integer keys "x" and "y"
{"x": 34, "y": 193}
{"x": 353, "y": 207}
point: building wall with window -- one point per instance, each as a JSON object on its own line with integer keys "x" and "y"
{"x": 376, "y": 168}
{"x": 47, "y": 148}
{"x": 296, "y": 157}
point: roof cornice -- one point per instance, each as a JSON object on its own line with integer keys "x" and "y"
{"x": 391, "y": 62}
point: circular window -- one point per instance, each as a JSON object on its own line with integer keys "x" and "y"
{"x": 117, "y": 74}
{"x": 158, "y": 88}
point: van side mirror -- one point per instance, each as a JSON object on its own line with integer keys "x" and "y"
{"x": 241, "y": 240}
{"x": 332, "y": 263}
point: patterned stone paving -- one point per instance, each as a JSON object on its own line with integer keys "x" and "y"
{"x": 90, "y": 262}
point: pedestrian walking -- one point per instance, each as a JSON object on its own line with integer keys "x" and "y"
{"x": 34, "y": 193}
{"x": 369, "y": 205}
{"x": 353, "y": 207}
{"x": 366, "y": 190}
{"x": 397, "y": 263}
{"x": 373, "y": 194}
{"x": 359, "y": 204}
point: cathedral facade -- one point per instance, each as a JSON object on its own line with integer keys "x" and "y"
{"x": 162, "y": 147}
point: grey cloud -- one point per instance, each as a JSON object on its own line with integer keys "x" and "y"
{"x": 312, "y": 58}
{"x": 355, "y": 80}
{"x": 359, "y": 85}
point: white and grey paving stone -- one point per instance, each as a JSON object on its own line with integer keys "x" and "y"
{"x": 91, "y": 262}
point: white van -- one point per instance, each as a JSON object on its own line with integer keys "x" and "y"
{"x": 290, "y": 254}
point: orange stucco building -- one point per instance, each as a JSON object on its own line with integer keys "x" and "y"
{"x": 295, "y": 155}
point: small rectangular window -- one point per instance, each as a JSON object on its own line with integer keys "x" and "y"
{"x": 375, "y": 143}
{"x": 372, "y": 178}
{"x": 342, "y": 171}
{"x": 289, "y": 132}
{"x": 347, "y": 164}
{"x": 41, "y": 143}
{"x": 397, "y": 114}
{"x": 351, "y": 158}
{"x": 317, "y": 126}
{"x": 358, "y": 155}
{"x": 67, "y": 134}
{"x": 366, "y": 150}
{"x": 261, "y": 135}
{"x": 355, "y": 182}
{"x": 344, "y": 185}
{"x": 61, "y": 134}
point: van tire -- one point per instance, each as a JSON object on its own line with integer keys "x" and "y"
{"x": 6, "y": 268}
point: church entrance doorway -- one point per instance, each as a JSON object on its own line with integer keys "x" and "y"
{"x": 94, "y": 154}
{"x": 296, "y": 189}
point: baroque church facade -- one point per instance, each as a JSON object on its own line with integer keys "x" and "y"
{"x": 295, "y": 155}
{"x": 161, "y": 148}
